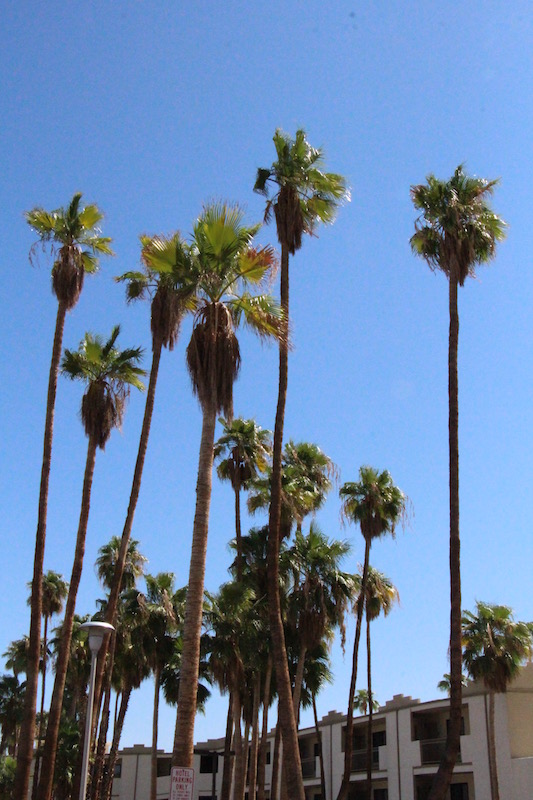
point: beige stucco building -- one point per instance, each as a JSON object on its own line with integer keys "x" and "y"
{"x": 408, "y": 738}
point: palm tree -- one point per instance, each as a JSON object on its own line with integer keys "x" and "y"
{"x": 223, "y": 249}
{"x": 361, "y": 703}
{"x": 12, "y": 693}
{"x": 306, "y": 479}
{"x": 456, "y": 231}
{"x": 377, "y": 505}
{"x": 156, "y": 616}
{"x": 319, "y": 597}
{"x": 169, "y": 280}
{"x": 243, "y": 451}
{"x": 381, "y": 594}
{"x": 16, "y": 656}
{"x": 54, "y": 593}
{"x": 303, "y": 196}
{"x": 495, "y": 647}
{"x": 108, "y": 374}
{"x": 105, "y": 566}
{"x": 75, "y": 243}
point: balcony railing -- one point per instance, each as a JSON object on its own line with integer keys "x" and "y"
{"x": 432, "y": 750}
{"x": 359, "y": 759}
{"x": 309, "y": 767}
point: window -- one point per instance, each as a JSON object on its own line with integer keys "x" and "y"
{"x": 379, "y": 738}
{"x": 459, "y": 791}
{"x": 117, "y": 773}
{"x": 206, "y": 763}
{"x": 380, "y": 794}
{"x": 163, "y": 767}
{"x": 268, "y": 756}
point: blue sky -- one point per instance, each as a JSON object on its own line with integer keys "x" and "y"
{"x": 153, "y": 108}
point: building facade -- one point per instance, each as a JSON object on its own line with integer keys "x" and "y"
{"x": 408, "y": 740}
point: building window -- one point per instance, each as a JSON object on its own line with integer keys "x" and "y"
{"x": 459, "y": 791}
{"x": 206, "y": 763}
{"x": 380, "y": 794}
{"x": 163, "y": 767}
{"x": 117, "y": 772}
{"x": 268, "y": 756}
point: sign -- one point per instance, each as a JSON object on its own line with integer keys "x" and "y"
{"x": 181, "y": 783}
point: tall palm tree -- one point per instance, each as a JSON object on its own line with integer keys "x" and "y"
{"x": 303, "y": 196}
{"x": 381, "y": 594}
{"x": 495, "y": 647}
{"x": 228, "y": 261}
{"x": 156, "y": 617}
{"x": 456, "y": 231}
{"x": 55, "y": 590}
{"x": 75, "y": 243}
{"x": 108, "y": 374}
{"x": 377, "y": 505}
{"x": 169, "y": 279}
{"x": 243, "y": 451}
{"x": 133, "y": 569}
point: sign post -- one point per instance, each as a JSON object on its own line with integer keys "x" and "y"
{"x": 181, "y": 783}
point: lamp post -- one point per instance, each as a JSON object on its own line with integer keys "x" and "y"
{"x": 97, "y": 631}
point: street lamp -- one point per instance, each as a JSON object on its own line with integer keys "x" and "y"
{"x": 97, "y": 631}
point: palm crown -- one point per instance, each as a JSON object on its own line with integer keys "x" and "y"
{"x": 374, "y": 502}
{"x": 457, "y": 229}
{"x": 227, "y": 265}
{"x": 109, "y": 373}
{"x": 76, "y": 242}
{"x": 304, "y": 194}
{"x": 170, "y": 278}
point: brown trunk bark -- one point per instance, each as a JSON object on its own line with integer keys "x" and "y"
{"x": 493, "y": 765}
{"x": 320, "y": 750}
{"x": 261, "y": 766}
{"x": 274, "y": 783}
{"x": 298, "y": 682}
{"x": 370, "y": 713}
{"x": 252, "y": 779}
{"x": 37, "y": 764}
{"x": 44, "y": 789}
{"x": 184, "y": 735}
{"x": 111, "y": 609}
{"x": 107, "y": 783}
{"x": 443, "y": 777}
{"x": 238, "y": 532}
{"x": 348, "y": 742}
{"x": 27, "y": 728}
{"x": 153, "y": 772}
{"x": 286, "y": 719}
{"x": 98, "y": 767}
{"x": 239, "y": 747}
{"x": 227, "y": 770}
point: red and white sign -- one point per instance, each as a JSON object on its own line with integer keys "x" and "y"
{"x": 181, "y": 783}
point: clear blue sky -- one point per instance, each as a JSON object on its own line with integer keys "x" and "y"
{"x": 152, "y": 108}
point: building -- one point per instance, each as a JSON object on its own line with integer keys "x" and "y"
{"x": 408, "y": 739}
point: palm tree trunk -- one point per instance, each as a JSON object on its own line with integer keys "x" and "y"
{"x": 238, "y": 746}
{"x": 370, "y": 712}
{"x": 98, "y": 766}
{"x": 298, "y": 682}
{"x": 27, "y": 729}
{"x": 37, "y": 764}
{"x": 348, "y": 743}
{"x": 192, "y": 628}
{"x": 286, "y": 718}
{"x": 274, "y": 783}
{"x": 153, "y": 775}
{"x": 493, "y": 764}
{"x": 227, "y": 770}
{"x": 44, "y": 790}
{"x": 252, "y": 780}
{"x": 444, "y": 774}
{"x": 238, "y": 533}
{"x": 264, "y": 733}
{"x": 111, "y": 609}
{"x": 320, "y": 750}
{"x": 107, "y": 783}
